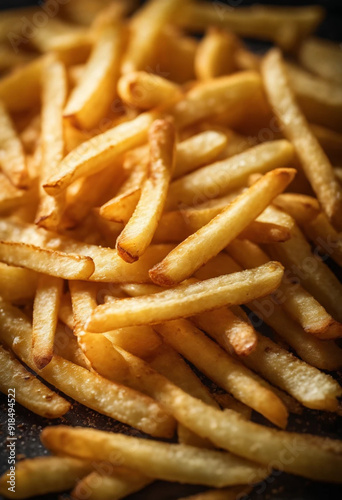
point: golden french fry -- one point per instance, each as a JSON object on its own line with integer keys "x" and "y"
{"x": 98, "y": 152}
{"x": 146, "y": 91}
{"x": 20, "y": 89}
{"x": 13, "y": 161}
{"x": 160, "y": 460}
{"x": 198, "y": 150}
{"x": 72, "y": 254}
{"x": 320, "y": 100}
{"x": 45, "y": 317}
{"x": 301, "y": 207}
{"x": 146, "y": 27}
{"x": 141, "y": 341}
{"x": 60, "y": 473}
{"x": 139, "y": 231}
{"x": 91, "y": 98}
{"x": 233, "y": 93}
{"x": 284, "y": 26}
{"x": 119, "y": 484}
{"x": 28, "y": 390}
{"x": 17, "y": 284}
{"x": 43, "y": 260}
{"x": 226, "y": 372}
{"x": 187, "y": 300}
{"x": 209, "y": 240}
{"x": 54, "y": 93}
{"x": 88, "y": 388}
{"x": 223, "y": 176}
{"x": 294, "y": 126}
{"x": 323, "y": 58}
{"x": 215, "y": 55}
{"x": 314, "y": 275}
{"x": 321, "y": 233}
{"x": 317, "y": 458}
{"x": 295, "y": 300}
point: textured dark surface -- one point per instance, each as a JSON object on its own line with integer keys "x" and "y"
{"x": 279, "y": 486}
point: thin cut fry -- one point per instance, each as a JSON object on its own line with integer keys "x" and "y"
{"x": 224, "y": 176}
{"x": 13, "y": 162}
{"x": 301, "y": 207}
{"x": 187, "y": 300}
{"x": 85, "y": 387}
{"x": 146, "y": 91}
{"x": 138, "y": 233}
{"x": 215, "y": 54}
{"x": 98, "y": 152}
{"x": 294, "y": 126}
{"x": 209, "y": 240}
{"x": 45, "y": 316}
{"x": 60, "y": 473}
{"x": 173, "y": 462}
{"x": 28, "y": 390}
{"x": 227, "y": 373}
{"x": 54, "y": 92}
{"x": 91, "y": 98}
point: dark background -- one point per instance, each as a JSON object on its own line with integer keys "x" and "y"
{"x": 279, "y": 486}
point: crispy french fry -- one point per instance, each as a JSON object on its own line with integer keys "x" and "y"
{"x": 294, "y": 126}
{"x": 45, "y": 316}
{"x": 237, "y": 335}
{"x": 215, "y": 55}
{"x": 320, "y": 100}
{"x": 28, "y": 390}
{"x": 225, "y": 371}
{"x": 20, "y": 90}
{"x": 119, "y": 484}
{"x": 198, "y": 150}
{"x": 43, "y": 260}
{"x": 323, "y": 58}
{"x": 17, "y": 284}
{"x": 60, "y": 473}
{"x": 146, "y": 27}
{"x": 54, "y": 93}
{"x": 146, "y": 91}
{"x": 98, "y": 152}
{"x": 284, "y": 26}
{"x": 318, "y": 458}
{"x": 139, "y": 231}
{"x": 88, "y": 388}
{"x": 13, "y": 161}
{"x": 322, "y": 234}
{"x": 223, "y": 176}
{"x": 301, "y": 207}
{"x": 295, "y": 300}
{"x": 314, "y": 275}
{"x": 186, "y": 300}
{"x": 73, "y": 255}
{"x": 209, "y": 240}
{"x": 161, "y": 460}
{"x": 233, "y": 92}
{"x": 141, "y": 341}
{"x": 91, "y": 98}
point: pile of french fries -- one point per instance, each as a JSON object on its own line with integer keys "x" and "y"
{"x": 152, "y": 183}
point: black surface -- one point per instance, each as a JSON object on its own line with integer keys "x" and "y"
{"x": 279, "y": 486}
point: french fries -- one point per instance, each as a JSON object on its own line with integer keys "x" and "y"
{"x": 294, "y": 126}
{"x": 139, "y": 231}
{"x": 322, "y": 57}
{"x": 91, "y": 98}
{"x": 28, "y": 390}
{"x": 223, "y": 176}
{"x": 54, "y": 91}
{"x": 60, "y": 473}
{"x": 45, "y": 316}
{"x": 186, "y": 300}
{"x": 13, "y": 161}
{"x": 190, "y": 255}
{"x": 162, "y": 460}
{"x": 144, "y": 165}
